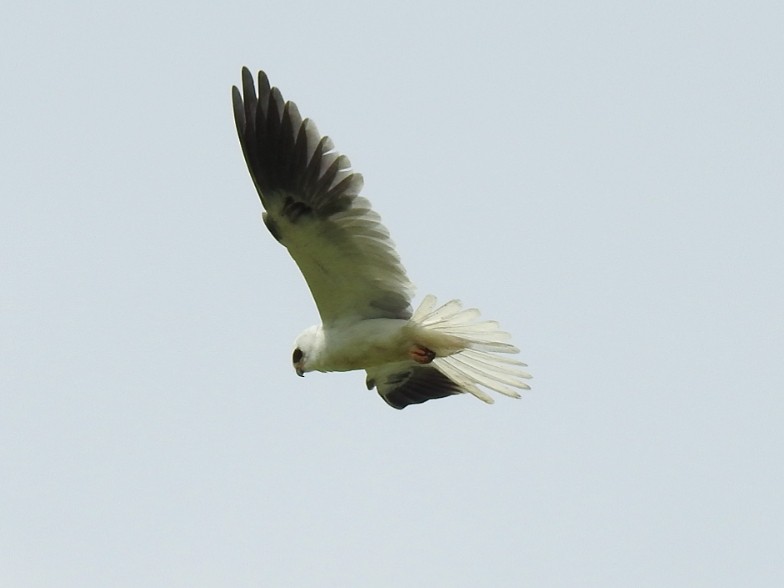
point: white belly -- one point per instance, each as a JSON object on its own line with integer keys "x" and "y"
{"x": 364, "y": 344}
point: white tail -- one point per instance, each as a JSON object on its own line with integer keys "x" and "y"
{"x": 467, "y": 349}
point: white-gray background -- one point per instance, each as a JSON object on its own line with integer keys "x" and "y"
{"x": 603, "y": 178}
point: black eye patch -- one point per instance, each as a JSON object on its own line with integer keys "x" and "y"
{"x": 297, "y": 355}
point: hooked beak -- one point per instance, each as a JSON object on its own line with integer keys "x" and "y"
{"x": 299, "y": 371}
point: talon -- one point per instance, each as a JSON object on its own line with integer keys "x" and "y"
{"x": 421, "y": 354}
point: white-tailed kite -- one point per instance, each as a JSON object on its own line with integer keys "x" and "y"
{"x": 312, "y": 207}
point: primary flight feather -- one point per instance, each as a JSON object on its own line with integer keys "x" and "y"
{"x": 312, "y": 207}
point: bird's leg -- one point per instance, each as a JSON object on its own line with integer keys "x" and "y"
{"x": 421, "y": 354}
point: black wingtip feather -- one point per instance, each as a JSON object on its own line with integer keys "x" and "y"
{"x": 239, "y": 109}
{"x": 284, "y": 152}
{"x": 417, "y": 386}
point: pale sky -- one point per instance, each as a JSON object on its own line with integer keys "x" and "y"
{"x": 605, "y": 179}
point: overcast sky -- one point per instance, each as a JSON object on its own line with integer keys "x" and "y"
{"x": 604, "y": 178}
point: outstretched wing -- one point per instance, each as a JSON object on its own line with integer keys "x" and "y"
{"x": 407, "y": 382}
{"x": 312, "y": 203}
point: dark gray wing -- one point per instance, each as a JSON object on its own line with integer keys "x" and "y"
{"x": 404, "y": 383}
{"x": 312, "y": 206}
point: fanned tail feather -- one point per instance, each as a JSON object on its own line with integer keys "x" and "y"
{"x": 472, "y": 361}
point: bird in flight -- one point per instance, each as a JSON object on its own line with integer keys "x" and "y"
{"x": 312, "y": 206}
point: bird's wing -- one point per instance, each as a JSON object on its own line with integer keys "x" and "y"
{"x": 407, "y": 382}
{"x": 312, "y": 203}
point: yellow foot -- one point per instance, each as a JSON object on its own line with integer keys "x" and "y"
{"x": 421, "y": 354}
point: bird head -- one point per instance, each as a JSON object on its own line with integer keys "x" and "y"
{"x": 306, "y": 350}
